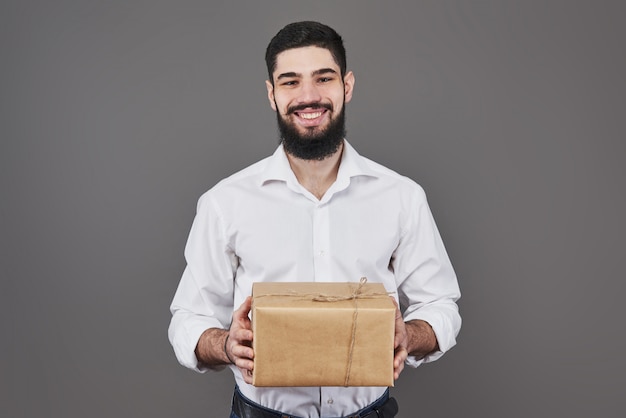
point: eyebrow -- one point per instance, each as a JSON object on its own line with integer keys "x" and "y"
{"x": 314, "y": 73}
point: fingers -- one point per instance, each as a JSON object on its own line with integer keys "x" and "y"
{"x": 398, "y": 362}
{"x": 400, "y": 342}
{"x": 241, "y": 326}
{"x": 240, "y": 316}
{"x": 247, "y": 376}
{"x": 400, "y": 335}
{"x": 240, "y": 353}
{"x": 239, "y": 343}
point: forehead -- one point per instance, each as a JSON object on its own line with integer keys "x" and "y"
{"x": 304, "y": 61}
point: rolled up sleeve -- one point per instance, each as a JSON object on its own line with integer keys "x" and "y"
{"x": 427, "y": 284}
{"x": 204, "y": 297}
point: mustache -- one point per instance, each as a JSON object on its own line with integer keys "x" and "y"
{"x": 316, "y": 105}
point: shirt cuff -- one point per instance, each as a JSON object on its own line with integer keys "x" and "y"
{"x": 185, "y": 338}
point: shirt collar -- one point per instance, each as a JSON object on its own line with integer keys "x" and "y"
{"x": 352, "y": 165}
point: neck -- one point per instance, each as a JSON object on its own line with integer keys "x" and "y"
{"x": 316, "y": 176}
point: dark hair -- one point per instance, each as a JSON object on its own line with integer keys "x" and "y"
{"x": 301, "y": 34}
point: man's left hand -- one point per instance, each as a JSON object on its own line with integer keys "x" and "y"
{"x": 400, "y": 343}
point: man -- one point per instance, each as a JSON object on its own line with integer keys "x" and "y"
{"x": 313, "y": 211}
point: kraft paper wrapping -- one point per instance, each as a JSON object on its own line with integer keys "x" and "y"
{"x": 322, "y": 334}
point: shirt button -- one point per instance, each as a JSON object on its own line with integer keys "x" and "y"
{"x": 321, "y": 253}
{"x": 330, "y": 400}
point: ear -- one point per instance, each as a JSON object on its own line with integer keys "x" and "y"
{"x": 348, "y": 84}
{"x": 270, "y": 94}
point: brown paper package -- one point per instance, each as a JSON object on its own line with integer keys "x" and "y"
{"x": 322, "y": 334}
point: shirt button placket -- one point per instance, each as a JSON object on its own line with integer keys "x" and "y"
{"x": 321, "y": 236}
{"x": 327, "y": 407}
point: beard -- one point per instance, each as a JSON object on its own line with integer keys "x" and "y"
{"x": 313, "y": 144}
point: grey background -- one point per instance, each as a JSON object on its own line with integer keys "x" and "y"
{"x": 117, "y": 115}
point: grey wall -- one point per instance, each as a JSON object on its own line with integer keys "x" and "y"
{"x": 117, "y": 115}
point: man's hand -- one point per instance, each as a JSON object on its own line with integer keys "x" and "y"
{"x": 238, "y": 345}
{"x": 218, "y": 347}
{"x": 400, "y": 342}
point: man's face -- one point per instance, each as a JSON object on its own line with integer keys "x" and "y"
{"x": 308, "y": 96}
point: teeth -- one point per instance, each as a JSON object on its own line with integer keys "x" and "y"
{"x": 310, "y": 115}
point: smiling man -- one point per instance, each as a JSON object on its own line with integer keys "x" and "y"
{"x": 313, "y": 211}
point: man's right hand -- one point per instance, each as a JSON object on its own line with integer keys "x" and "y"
{"x": 238, "y": 341}
{"x": 217, "y": 347}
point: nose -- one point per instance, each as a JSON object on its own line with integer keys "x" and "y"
{"x": 309, "y": 93}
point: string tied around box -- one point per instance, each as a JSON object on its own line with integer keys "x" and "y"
{"x": 356, "y": 294}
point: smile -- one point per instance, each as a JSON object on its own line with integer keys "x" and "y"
{"x": 312, "y": 115}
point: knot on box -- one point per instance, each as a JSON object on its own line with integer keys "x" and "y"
{"x": 356, "y": 294}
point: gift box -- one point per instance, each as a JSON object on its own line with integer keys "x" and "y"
{"x": 322, "y": 334}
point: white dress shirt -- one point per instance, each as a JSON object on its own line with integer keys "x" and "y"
{"x": 260, "y": 225}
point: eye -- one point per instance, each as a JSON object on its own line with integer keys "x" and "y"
{"x": 325, "y": 79}
{"x": 289, "y": 83}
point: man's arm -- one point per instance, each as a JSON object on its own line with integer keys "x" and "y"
{"x": 427, "y": 287}
{"x": 205, "y": 295}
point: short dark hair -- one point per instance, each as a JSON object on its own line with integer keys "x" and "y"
{"x": 301, "y": 34}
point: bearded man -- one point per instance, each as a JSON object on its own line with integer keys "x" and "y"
{"x": 315, "y": 210}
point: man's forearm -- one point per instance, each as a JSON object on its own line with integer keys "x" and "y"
{"x": 421, "y": 338}
{"x": 210, "y": 348}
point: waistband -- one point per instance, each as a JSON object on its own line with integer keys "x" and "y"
{"x": 383, "y": 407}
